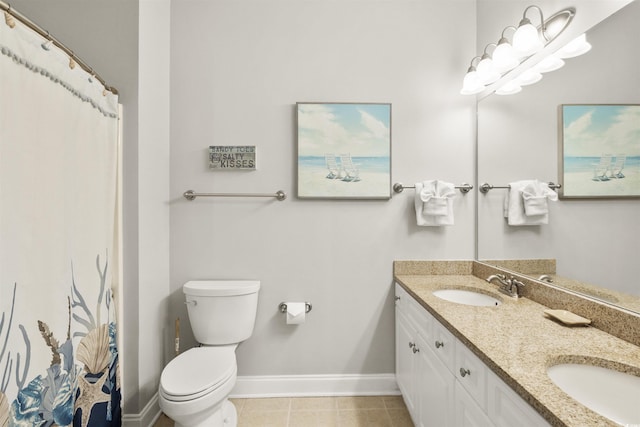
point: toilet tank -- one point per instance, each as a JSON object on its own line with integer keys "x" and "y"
{"x": 221, "y": 312}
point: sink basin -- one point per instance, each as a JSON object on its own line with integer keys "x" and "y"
{"x": 608, "y": 392}
{"x": 467, "y": 297}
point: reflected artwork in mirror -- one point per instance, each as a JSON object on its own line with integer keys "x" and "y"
{"x": 599, "y": 151}
{"x": 591, "y": 244}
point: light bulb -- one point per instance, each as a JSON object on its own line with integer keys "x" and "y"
{"x": 575, "y": 47}
{"x": 486, "y": 72}
{"x": 550, "y": 63}
{"x": 509, "y": 88}
{"x": 471, "y": 85}
{"x": 528, "y": 77}
{"x": 504, "y": 57}
{"x": 526, "y": 40}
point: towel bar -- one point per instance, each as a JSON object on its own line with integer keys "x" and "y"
{"x": 191, "y": 195}
{"x": 464, "y": 187}
{"x": 484, "y": 188}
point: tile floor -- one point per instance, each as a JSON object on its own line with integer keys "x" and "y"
{"x": 369, "y": 411}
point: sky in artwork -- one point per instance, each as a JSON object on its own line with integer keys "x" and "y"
{"x": 593, "y": 130}
{"x": 362, "y": 130}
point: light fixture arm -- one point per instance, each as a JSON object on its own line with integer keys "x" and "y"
{"x": 503, "y": 38}
{"x": 471, "y": 66}
{"x": 525, "y": 20}
{"x": 487, "y": 47}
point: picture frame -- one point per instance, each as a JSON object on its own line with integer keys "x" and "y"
{"x": 599, "y": 151}
{"x": 343, "y": 150}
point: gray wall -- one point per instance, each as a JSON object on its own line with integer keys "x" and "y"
{"x": 237, "y": 70}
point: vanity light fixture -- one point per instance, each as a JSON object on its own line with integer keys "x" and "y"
{"x": 510, "y": 57}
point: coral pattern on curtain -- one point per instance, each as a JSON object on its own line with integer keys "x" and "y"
{"x": 58, "y": 210}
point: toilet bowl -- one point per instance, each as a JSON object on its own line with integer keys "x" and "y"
{"x": 194, "y": 386}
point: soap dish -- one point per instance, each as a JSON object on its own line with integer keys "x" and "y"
{"x": 567, "y": 317}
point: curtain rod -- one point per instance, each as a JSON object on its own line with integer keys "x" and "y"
{"x": 10, "y": 12}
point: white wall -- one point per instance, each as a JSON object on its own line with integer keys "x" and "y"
{"x": 237, "y": 70}
{"x": 153, "y": 196}
{"x": 595, "y": 241}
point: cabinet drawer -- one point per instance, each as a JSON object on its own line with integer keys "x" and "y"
{"x": 472, "y": 374}
{"x": 442, "y": 343}
{"x": 401, "y": 298}
{"x": 421, "y": 319}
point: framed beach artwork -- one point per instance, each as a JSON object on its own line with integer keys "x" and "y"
{"x": 344, "y": 150}
{"x": 599, "y": 151}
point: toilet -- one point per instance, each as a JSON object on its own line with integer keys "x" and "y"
{"x": 194, "y": 386}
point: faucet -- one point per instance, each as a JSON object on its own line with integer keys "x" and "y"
{"x": 510, "y": 286}
{"x": 546, "y": 278}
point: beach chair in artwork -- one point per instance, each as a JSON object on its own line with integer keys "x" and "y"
{"x": 335, "y": 171}
{"x": 601, "y": 169}
{"x": 618, "y": 166}
{"x": 351, "y": 171}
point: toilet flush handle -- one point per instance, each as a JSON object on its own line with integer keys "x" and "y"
{"x": 194, "y": 302}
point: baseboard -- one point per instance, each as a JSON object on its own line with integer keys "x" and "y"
{"x": 315, "y": 385}
{"x": 287, "y": 386}
{"x": 146, "y": 418}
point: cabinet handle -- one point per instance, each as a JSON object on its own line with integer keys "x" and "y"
{"x": 464, "y": 372}
{"x": 439, "y": 344}
{"x": 412, "y": 344}
{"x": 415, "y": 349}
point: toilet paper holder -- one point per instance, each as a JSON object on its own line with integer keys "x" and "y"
{"x": 283, "y": 307}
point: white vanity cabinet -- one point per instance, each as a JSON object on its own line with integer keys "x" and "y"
{"x": 425, "y": 382}
{"x": 443, "y": 383}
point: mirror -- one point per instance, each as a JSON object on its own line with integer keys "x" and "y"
{"x": 594, "y": 243}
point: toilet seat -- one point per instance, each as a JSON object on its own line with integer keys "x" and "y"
{"x": 198, "y": 372}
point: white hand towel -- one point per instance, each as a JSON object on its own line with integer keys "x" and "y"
{"x": 514, "y": 206}
{"x": 434, "y": 203}
{"x": 536, "y": 195}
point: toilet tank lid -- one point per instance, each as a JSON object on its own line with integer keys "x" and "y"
{"x": 216, "y": 288}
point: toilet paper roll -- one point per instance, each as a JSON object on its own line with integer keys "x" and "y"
{"x": 296, "y": 313}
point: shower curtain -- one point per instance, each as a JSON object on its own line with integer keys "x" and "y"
{"x": 59, "y": 142}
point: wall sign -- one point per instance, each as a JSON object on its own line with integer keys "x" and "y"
{"x": 227, "y": 157}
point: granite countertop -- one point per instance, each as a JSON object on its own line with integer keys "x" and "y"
{"x": 518, "y": 342}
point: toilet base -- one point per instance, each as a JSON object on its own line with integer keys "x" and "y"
{"x": 226, "y": 416}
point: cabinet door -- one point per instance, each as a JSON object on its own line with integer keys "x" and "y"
{"x": 467, "y": 411}
{"x": 434, "y": 389}
{"x": 405, "y": 360}
{"x": 471, "y": 372}
{"x": 507, "y": 409}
